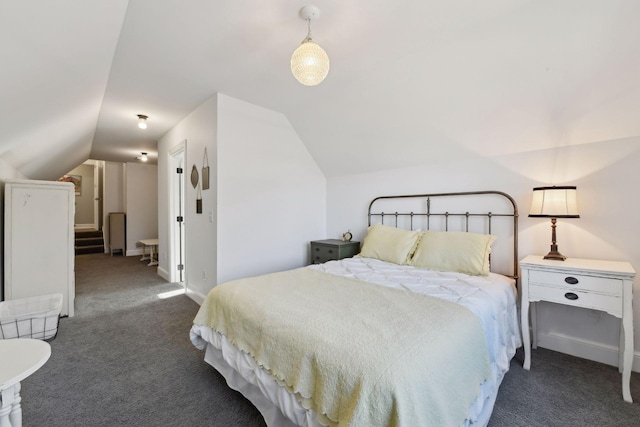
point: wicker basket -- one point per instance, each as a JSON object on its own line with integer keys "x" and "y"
{"x": 35, "y": 317}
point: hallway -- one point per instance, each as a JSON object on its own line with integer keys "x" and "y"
{"x": 109, "y": 284}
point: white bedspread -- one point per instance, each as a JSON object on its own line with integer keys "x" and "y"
{"x": 492, "y": 299}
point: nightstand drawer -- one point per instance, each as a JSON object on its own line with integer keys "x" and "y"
{"x": 322, "y": 254}
{"x": 609, "y": 303}
{"x": 571, "y": 281}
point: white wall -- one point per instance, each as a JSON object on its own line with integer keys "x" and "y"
{"x": 164, "y": 172}
{"x": 266, "y": 201}
{"x": 199, "y": 131}
{"x": 271, "y": 197}
{"x": 112, "y": 195}
{"x": 141, "y": 183}
{"x": 606, "y": 174}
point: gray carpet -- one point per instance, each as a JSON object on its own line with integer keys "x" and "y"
{"x": 561, "y": 390}
{"x": 125, "y": 359}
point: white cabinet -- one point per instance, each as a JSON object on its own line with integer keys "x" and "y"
{"x": 39, "y": 240}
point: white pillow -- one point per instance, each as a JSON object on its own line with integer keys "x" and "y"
{"x": 389, "y": 244}
{"x": 454, "y": 251}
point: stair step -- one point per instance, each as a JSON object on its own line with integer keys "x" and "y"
{"x": 89, "y": 241}
{"x": 87, "y": 233}
{"x": 94, "y": 249}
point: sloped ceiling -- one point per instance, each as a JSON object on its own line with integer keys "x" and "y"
{"x": 410, "y": 81}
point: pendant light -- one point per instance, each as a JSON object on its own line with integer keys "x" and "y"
{"x": 309, "y": 62}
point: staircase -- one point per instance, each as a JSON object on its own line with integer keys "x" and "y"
{"x": 89, "y": 241}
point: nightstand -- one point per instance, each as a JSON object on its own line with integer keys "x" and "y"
{"x": 598, "y": 285}
{"x": 332, "y": 249}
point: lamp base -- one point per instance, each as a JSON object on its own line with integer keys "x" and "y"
{"x": 554, "y": 254}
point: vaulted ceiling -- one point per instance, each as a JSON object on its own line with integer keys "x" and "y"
{"x": 410, "y": 81}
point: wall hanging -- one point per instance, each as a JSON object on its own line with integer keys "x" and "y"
{"x": 205, "y": 170}
{"x": 199, "y": 201}
{"x": 194, "y": 176}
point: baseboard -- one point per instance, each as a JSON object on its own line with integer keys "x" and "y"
{"x": 196, "y": 296}
{"x": 134, "y": 252}
{"x": 585, "y": 349}
{"x": 164, "y": 274}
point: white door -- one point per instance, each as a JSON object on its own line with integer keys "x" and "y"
{"x": 177, "y": 214}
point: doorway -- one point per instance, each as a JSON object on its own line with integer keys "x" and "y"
{"x": 88, "y": 195}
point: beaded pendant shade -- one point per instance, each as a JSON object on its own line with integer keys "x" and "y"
{"x": 309, "y": 62}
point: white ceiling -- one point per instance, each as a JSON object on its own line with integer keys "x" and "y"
{"x": 410, "y": 81}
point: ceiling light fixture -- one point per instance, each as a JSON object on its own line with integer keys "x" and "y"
{"x": 142, "y": 121}
{"x": 143, "y": 157}
{"x": 309, "y": 62}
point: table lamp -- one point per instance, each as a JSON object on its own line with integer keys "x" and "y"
{"x": 554, "y": 202}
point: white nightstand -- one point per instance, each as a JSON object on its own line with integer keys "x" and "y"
{"x": 599, "y": 285}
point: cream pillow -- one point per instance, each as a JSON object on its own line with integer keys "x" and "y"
{"x": 389, "y": 244}
{"x": 454, "y": 251}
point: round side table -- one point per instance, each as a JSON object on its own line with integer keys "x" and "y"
{"x": 19, "y": 358}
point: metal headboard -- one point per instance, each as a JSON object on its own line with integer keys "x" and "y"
{"x": 425, "y": 215}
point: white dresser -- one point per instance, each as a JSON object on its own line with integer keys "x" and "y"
{"x": 39, "y": 240}
{"x": 598, "y": 285}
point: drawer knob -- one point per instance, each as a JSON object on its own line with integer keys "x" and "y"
{"x": 330, "y": 251}
{"x": 571, "y": 296}
{"x": 317, "y": 249}
{"x": 571, "y": 280}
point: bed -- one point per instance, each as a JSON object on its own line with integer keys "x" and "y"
{"x": 418, "y": 329}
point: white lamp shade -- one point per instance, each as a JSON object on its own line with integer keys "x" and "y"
{"x": 309, "y": 63}
{"x": 554, "y": 202}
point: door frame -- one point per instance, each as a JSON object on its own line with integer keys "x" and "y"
{"x": 177, "y": 234}
{"x": 98, "y": 179}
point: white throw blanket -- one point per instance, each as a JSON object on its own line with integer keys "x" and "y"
{"x": 358, "y": 354}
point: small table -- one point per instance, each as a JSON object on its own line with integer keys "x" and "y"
{"x": 598, "y": 285}
{"x": 152, "y": 244}
{"x": 19, "y": 358}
